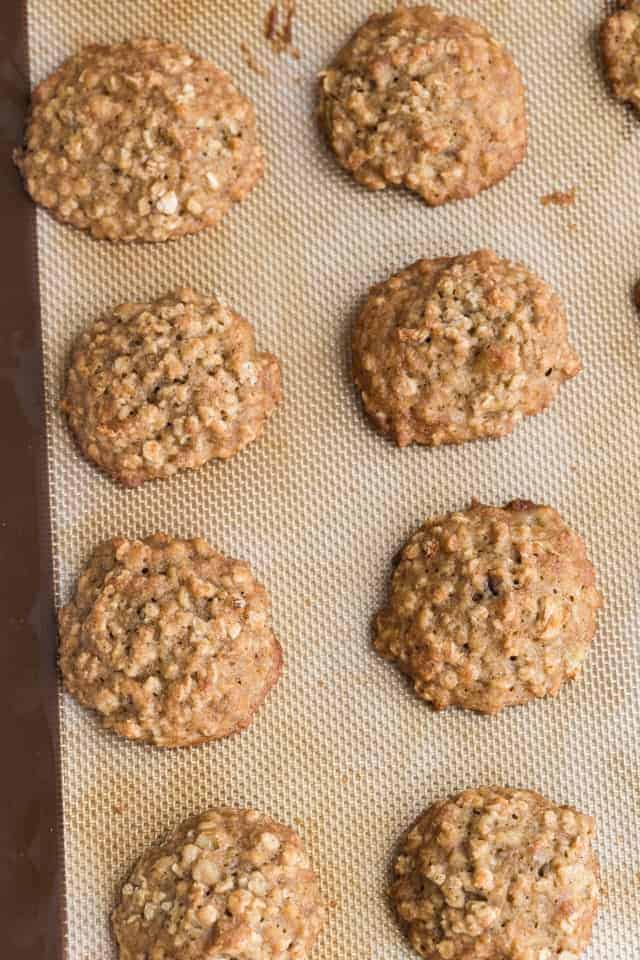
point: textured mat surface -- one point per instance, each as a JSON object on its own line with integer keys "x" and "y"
{"x": 343, "y": 750}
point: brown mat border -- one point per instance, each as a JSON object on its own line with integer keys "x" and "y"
{"x": 31, "y": 862}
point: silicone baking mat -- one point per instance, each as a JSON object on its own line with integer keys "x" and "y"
{"x": 343, "y": 750}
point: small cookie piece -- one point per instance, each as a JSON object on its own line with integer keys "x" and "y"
{"x": 226, "y": 884}
{"x": 425, "y": 100}
{"x": 620, "y": 45}
{"x": 141, "y": 140}
{"x": 460, "y": 348}
{"x": 168, "y": 641}
{"x": 490, "y": 607}
{"x": 154, "y": 388}
{"x": 498, "y": 874}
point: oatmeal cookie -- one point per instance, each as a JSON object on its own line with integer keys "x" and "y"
{"x": 498, "y": 874}
{"x": 168, "y": 641}
{"x": 460, "y": 348}
{"x": 490, "y": 607}
{"x": 425, "y": 100}
{"x": 154, "y": 388}
{"x": 141, "y": 140}
{"x": 620, "y": 45}
{"x": 226, "y": 884}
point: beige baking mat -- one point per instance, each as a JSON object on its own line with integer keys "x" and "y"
{"x": 342, "y": 749}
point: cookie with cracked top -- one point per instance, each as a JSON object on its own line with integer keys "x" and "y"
{"x": 156, "y": 388}
{"x": 490, "y": 607}
{"x": 460, "y": 348}
{"x": 168, "y": 641}
{"x": 498, "y": 874}
{"x": 421, "y": 99}
{"x": 141, "y": 140}
{"x": 226, "y": 883}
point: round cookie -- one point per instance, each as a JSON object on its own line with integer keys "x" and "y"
{"x": 140, "y": 140}
{"x": 168, "y": 641}
{"x": 460, "y": 348}
{"x": 620, "y": 45}
{"x": 498, "y": 874}
{"x": 490, "y": 607}
{"x": 424, "y": 100}
{"x": 226, "y": 884}
{"x": 154, "y": 388}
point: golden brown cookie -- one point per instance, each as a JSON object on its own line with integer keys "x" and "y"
{"x": 154, "y": 388}
{"x": 421, "y": 99}
{"x": 169, "y": 641}
{"x": 620, "y": 45}
{"x": 498, "y": 874}
{"x": 460, "y": 348}
{"x": 490, "y": 607}
{"x": 226, "y": 884}
{"x": 140, "y": 140}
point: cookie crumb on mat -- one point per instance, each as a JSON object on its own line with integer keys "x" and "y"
{"x": 278, "y": 27}
{"x": 559, "y": 198}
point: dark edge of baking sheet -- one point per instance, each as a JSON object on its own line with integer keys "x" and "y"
{"x": 31, "y": 861}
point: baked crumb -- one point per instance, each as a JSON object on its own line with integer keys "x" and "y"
{"x": 559, "y": 199}
{"x": 251, "y": 61}
{"x": 278, "y": 27}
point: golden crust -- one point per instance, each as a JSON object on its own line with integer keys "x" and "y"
{"x": 498, "y": 874}
{"x": 460, "y": 348}
{"x": 425, "y": 100}
{"x": 620, "y": 45}
{"x": 156, "y": 388}
{"x": 226, "y": 883}
{"x": 168, "y": 641}
{"x": 490, "y": 607}
{"x": 139, "y": 141}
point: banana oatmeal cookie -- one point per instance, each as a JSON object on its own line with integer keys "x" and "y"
{"x": 620, "y": 44}
{"x": 425, "y": 100}
{"x": 490, "y": 607}
{"x": 226, "y": 885}
{"x": 460, "y": 348}
{"x": 168, "y": 641}
{"x": 141, "y": 140}
{"x": 154, "y": 388}
{"x": 498, "y": 874}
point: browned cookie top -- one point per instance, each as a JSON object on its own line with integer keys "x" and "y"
{"x": 168, "y": 641}
{"x": 226, "y": 885}
{"x": 498, "y": 874}
{"x": 425, "y": 100}
{"x": 154, "y": 388}
{"x": 140, "y": 140}
{"x": 460, "y": 348}
{"x": 490, "y": 607}
{"x": 620, "y": 43}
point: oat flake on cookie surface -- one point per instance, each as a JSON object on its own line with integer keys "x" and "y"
{"x": 141, "y": 140}
{"x": 620, "y": 44}
{"x": 490, "y": 607}
{"x": 154, "y": 388}
{"x": 498, "y": 874}
{"x": 421, "y": 99}
{"x": 460, "y": 348}
{"x": 229, "y": 884}
{"x": 168, "y": 640}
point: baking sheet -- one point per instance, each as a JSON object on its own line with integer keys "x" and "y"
{"x": 343, "y": 750}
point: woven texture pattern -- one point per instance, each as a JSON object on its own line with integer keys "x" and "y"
{"x": 342, "y": 750}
